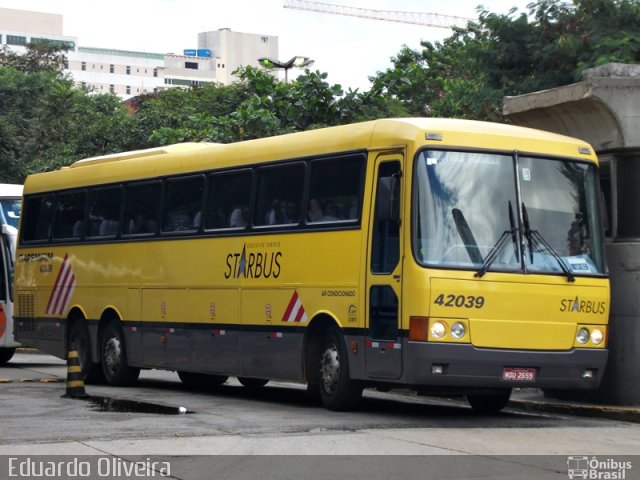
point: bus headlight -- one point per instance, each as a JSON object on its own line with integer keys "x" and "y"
{"x": 457, "y": 330}
{"x": 597, "y": 336}
{"x": 583, "y": 335}
{"x": 438, "y": 330}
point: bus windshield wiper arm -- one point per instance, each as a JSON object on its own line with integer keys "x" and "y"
{"x": 533, "y": 236}
{"x": 493, "y": 253}
{"x": 497, "y": 247}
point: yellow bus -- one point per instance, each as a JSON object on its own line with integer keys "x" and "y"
{"x": 447, "y": 256}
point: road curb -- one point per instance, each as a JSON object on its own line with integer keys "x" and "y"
{"x": 620, "y": 413}
{"x": 29, "y": 350}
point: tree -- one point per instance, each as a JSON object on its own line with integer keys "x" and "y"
{"x": 469, "y": 73}
{"x": 258, "y": 105}
{"x": 40, "y": 57}
{"x": 46, "y": 123}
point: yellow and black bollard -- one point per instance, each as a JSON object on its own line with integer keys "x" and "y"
{"x": 75, "y": 382}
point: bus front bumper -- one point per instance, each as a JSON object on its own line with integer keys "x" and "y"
{"x": 463, "y": 365}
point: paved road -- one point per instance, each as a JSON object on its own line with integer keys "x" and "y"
{"x": 281, "y": 420}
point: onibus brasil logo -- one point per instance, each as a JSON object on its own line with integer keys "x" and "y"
{"x": 595, "y": 468}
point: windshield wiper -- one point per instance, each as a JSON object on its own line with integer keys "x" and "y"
{"x": 466, "y": 234}
{"x": 497, "y": 247}
{"x": 533, "y": 236}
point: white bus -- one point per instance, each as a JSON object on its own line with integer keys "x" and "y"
{"x": 10, "y": 201}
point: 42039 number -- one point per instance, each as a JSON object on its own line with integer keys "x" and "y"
{"x": 460, "y": 301}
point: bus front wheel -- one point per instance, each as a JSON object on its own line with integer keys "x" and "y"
{"x": 491, "y": 403}
{"x": 337, "y": 390}
{"x": 114, "y": 357}
{"x": 6, "y": 354}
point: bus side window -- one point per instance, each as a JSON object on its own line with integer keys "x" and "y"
{"x": 335, "y": 191}
{"x": 183, "y": 206}
{"x": 69, "y": 216}
{"x": 38, "y": 218}
{"x": 228, "y": 200}
{"x": 141, "y": 208}
{"x": 104, "y": 212}
{"x": 279, "y": 195}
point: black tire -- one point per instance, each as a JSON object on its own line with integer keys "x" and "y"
{"x": 113, "y": 356}
{"x": 201, "y": 380}
{"x": 253, "y": 382}
{"x": 80, "y": 339}
{"x": 6, "y": 354}
{"x": 488, "y": 404}
{"x": 337, "y": 391}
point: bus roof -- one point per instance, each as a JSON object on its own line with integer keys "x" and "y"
{"x": 10, "y": 190}
{"x": 377, "y": 134}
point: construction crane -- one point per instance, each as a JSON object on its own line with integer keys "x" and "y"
{"x": 416, "y": 18}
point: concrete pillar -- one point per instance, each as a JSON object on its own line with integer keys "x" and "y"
{"x": 604, "y": 110}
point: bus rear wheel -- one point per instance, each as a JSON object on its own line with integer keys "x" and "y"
{"x": 253, "y": 382}
{"x": 6, "y": 354}
{"x": 80, "y": 340}
{"x": 489, "y": 404}
{"x": 114, "y": 357}
{"x": 337, "y": 391}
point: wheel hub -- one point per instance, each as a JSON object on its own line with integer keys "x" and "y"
{"x": 330, "y": 368}
{"x": 112, "y": 353}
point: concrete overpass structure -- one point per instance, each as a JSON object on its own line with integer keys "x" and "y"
{"x": 604, "y": 110}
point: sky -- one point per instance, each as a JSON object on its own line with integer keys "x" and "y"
{"x": 349, "y": 49}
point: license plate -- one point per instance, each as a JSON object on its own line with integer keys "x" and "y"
{"x": 519, "y": 374}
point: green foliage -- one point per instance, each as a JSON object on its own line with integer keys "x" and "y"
{"x": 469, "y": 73}
{"x": 46, "y": 123}
{"x": 40, "y": 57}
{"x": 258, "y": 105}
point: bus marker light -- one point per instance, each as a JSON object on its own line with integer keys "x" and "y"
{"x": 418, "y": 329}
{"x": 584, "y": 150}
{"x": 437, "y": 369}
{"x": 354, "y": 346}
{"x": 587, "y": 373}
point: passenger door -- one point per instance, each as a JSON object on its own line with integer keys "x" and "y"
{"x": 383, "y": 348}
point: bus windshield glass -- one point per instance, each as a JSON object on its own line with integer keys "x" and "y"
{"x": 10, "y": 211}
{"x": 471, "y": 211}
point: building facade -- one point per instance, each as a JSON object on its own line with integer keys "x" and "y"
{"x": 131, "y": 73}
{"x": 235, "y": 49}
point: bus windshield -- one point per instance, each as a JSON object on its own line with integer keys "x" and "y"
{"x": 472, "y": 211}
{"x": 10, "y": 211}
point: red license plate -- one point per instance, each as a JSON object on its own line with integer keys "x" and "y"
{"x": 519, "y": 374}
